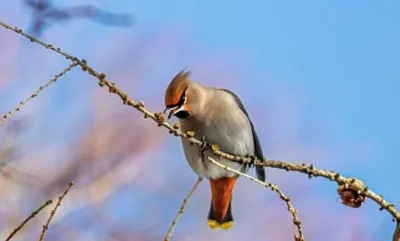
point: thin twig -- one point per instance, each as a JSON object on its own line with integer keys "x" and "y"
{"x": 35, "y": 94}
{"x": 275, "y": 188}
{"x": 396, "y": 236}
{"x": 46, "y": 226}
{"x": 35, "y": 40}
{"x": 33, "y": 214}
{"x": 181, "y": 210}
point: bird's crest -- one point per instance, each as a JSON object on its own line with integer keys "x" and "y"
{"x": 176, "y": 88}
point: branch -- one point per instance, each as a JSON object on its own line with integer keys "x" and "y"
{"x": 35, "y": 94}
{"x": 33, "y": 214}
{"x": 46, "y": 226}
{"x": 181, "y": 210}
{"x": 396, "y": 236}
{"x": 275, "y": 188}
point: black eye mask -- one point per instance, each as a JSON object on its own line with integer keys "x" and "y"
{"x": 183, "y": 114}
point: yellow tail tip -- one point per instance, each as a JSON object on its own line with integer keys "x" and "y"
{"x": 226, "y": 226}
{"x": 214, "y": 224}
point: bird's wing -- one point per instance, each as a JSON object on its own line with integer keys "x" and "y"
{"x": 257, "y": 147}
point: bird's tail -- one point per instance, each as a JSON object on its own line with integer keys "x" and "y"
{"x": 226, "y": 223}
{"x": 260, "y": 171}
{"x": 220, "y": 214}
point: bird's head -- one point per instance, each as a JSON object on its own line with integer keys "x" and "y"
{"x": 181, "y": 96}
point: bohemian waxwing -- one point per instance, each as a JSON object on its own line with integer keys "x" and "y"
{"x": 216, "y": 116}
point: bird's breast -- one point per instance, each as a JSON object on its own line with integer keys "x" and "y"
{"x": 232, "y": 136}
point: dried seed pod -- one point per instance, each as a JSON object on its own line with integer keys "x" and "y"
{"x": 352, "y": 194}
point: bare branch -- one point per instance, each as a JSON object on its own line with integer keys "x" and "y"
{"x": 53, "y": 212}
{"x": 275, "y": 188}
{"x": 181, "y": 210}
{"x": 33, "y": 214}
{"x": 35, "y": 94}
{"x": 396, "y": 236}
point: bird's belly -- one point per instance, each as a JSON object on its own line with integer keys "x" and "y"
{"x": 213, "y": 171}
{"x": 205, "y": 168}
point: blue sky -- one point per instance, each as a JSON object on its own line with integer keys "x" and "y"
{"x": 319, "y": 75}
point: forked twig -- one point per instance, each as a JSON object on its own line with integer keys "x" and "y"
{"x": 181, "y": 210}
{"x": 35, "y": 94}
{"x": 33, "y": 214}
{"x": 275, "y": 188}
{"x": 46, "y": 226}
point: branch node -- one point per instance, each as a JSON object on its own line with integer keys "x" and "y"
{"x": 140, "y": 104}
{"x": 102, "y": 76}
{"x": 159, "y": 118}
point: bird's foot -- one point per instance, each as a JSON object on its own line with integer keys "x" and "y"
{"x": 203, "y": 147}
{"x": 252, "y": 161}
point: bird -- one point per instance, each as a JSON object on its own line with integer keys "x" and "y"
{"x": 216, "y": 116}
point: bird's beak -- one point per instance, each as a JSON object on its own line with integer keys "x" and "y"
{"x": 172, "y": 110}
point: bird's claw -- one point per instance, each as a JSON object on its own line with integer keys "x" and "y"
{"x": 203, "y": 147}
{"x": 252, "y": 161}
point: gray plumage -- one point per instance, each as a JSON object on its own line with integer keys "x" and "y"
{"x": 221, "y": 118}
{"x": 258, "y": 153}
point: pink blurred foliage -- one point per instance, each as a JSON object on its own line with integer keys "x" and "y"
{"x": 8, "y": 61}
{"x": 108, "y": 151}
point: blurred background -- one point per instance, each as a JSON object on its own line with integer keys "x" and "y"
{"x": 320, "y": 80}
